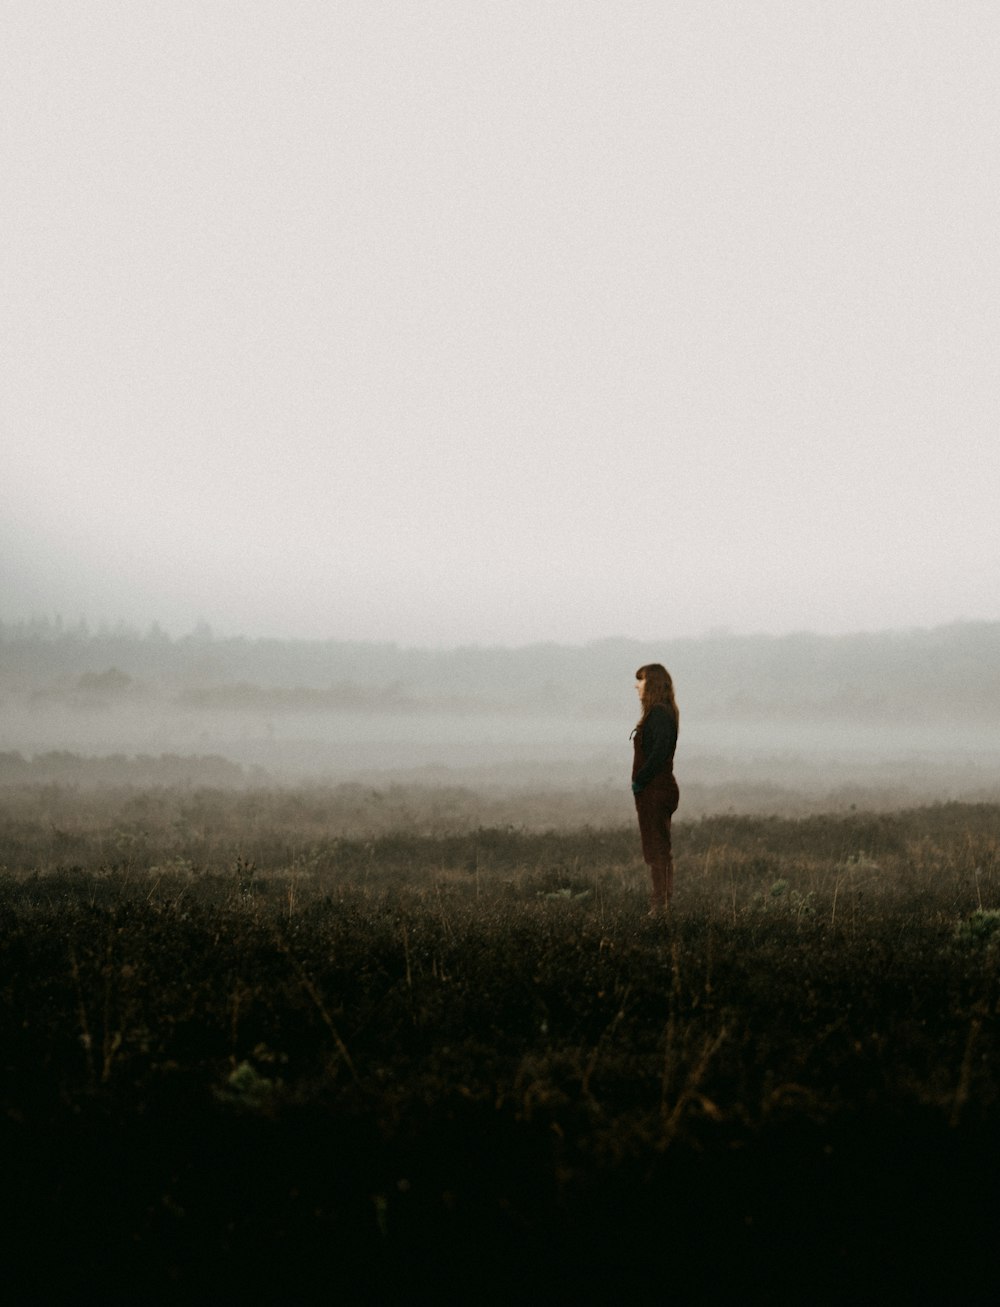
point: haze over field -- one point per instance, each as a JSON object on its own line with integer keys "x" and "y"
{"x": 766, "y": 722}
{"x": 453, "y": 324}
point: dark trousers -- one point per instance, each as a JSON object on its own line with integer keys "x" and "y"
{"x": 654, "y": 807}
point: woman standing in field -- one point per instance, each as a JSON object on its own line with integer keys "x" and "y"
{"x": 653, "y": 784}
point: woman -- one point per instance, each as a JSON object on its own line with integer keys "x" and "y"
{"x": 653, "y": 784}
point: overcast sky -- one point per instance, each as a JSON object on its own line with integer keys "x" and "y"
{"x": 494, "y": 321}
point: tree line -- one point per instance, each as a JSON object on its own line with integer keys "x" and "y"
{"x": 944, "y": 673}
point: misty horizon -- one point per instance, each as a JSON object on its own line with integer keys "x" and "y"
{"x": 765, "y": 722}
{"x": 87, "y": 625}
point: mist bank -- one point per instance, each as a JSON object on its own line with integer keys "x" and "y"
{"x": 123, "y": 798}
{"x": 945, "y": 674}
{"x": 768, "y": 723}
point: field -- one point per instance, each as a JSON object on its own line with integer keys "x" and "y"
{"x": 346, "y": 1045}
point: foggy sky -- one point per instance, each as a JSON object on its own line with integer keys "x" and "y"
{"x": 468, "y": 322}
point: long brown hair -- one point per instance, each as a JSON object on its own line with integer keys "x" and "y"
{"x": 657, "y": 687}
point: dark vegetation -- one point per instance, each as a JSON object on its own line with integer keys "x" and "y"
{"x": 254, "y": 1050}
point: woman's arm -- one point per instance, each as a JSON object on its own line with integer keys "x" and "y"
{"x": 659, "y": 740}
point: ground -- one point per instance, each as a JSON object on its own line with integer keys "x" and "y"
{"x": 466, "y": 1067}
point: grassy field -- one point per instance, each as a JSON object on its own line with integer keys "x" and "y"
{"x": 296, "y": 1046}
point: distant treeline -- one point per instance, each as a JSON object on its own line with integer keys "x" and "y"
{"x": 59, "y": 767}
{"x": 946, "y": 673}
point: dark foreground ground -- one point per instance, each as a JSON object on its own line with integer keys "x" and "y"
{"x": 467, "y": 1069}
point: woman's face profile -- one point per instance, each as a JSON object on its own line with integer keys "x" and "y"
{"x": 638, "y": 688}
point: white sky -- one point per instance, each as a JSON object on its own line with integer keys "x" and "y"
{"x": 450, "y": 321}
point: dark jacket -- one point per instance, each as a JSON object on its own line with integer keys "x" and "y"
{"x": 655, "y": 744}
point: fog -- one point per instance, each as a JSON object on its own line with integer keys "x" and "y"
{"x": 451, "y": 323}
{"x": 767, "y": 724}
